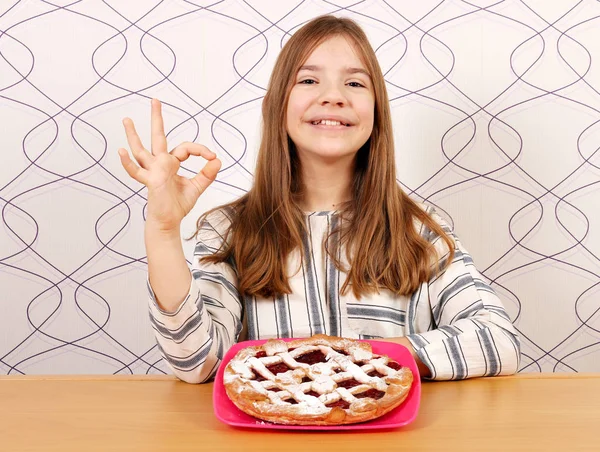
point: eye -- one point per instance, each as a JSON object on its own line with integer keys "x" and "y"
{"x": 307, "y": 81}
{"x": 356, "y": 85}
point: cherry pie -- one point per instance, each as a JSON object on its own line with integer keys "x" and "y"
{"x": 322, "y": 380}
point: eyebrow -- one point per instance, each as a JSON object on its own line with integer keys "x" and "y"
{"x": 349, "y": 70}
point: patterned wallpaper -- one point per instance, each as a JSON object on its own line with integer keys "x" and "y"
{"x": 496, "y": 108}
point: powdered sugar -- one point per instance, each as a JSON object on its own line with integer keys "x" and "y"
{"x": 286, "y": 387}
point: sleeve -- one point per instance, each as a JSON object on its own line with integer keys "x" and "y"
{"x": 194, "y": 339}
{"x": 471, "y": 335}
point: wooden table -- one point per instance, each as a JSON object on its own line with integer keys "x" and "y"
{"x": 528, "y": 412}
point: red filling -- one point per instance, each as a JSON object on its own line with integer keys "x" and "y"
{"x": 313, "y": 393}
{"x": 313, "y": 357}
{"x": 394, "y": 365}
{"x": 278, "y": 368}
{"x": 372, "y": 393}
{"x": 292, "y": 401}
{"x": 261, "y": 354}
{"x": 306, "y": 379}
{"x": 348, "y": 383}
{"x": 374, "y": 373}
{"x": 341, "y": 403}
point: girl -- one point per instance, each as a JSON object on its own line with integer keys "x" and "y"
{"x": 325, "y": 241}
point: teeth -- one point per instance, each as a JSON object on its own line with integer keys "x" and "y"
{"x": 327, "y": 122}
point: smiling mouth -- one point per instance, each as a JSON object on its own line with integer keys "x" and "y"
{"x": 329, "y": 123}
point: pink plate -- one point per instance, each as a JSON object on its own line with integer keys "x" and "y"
{"x": 228, "y": 413}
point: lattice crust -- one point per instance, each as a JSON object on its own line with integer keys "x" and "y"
{"x": 322, "y": 380}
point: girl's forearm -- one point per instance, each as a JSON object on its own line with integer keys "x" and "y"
{"x": 168, "y": 271}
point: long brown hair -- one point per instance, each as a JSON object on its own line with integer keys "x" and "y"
{"x": 383, "y": 248}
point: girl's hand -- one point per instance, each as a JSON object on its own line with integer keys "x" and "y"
{"x": 170, "y": 196}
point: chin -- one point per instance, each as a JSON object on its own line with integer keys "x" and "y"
{"x": 329, "y": 150}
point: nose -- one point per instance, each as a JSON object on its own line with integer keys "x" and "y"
{"x": 332, "y": 95}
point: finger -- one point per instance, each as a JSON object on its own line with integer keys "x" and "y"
{"x": 184, "y": 150}
{"x": 132, "y": 137}
{"x": 159, "y": 140}
{"x": 137, "y": 173}
{"x": 207, "y": 175}
{"x": 135, "y": 144}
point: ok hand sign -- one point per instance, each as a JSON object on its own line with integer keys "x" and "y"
{"x": 170, "y": 196}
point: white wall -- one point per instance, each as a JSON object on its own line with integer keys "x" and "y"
{"x": 496, "y": 111}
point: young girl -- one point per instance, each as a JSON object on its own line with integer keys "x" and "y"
{"x": 325, "y": 241}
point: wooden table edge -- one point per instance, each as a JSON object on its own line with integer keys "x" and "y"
{"x": 103, "y": 377}
{"x": 100, "y": 377}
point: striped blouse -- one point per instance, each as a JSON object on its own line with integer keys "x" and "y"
{"x": 455, "y": 321}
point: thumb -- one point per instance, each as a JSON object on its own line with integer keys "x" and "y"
{"x": 207, "y": 175}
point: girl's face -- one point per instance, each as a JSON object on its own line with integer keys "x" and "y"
{"x": 331, "y": 106}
